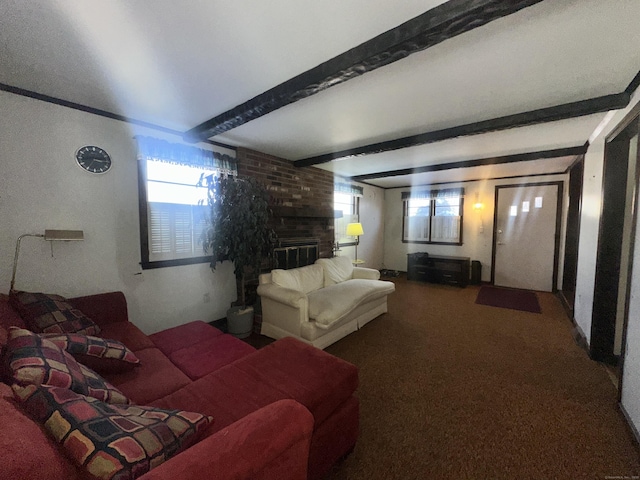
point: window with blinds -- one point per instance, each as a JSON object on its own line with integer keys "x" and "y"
{"x": 433, "y": 216}
{"x": 174, "y": 230}
{"x": 173, "y": 204}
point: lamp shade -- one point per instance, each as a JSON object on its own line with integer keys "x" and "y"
{"x": 354, "y": 229}
{"x": 63, "y": 235}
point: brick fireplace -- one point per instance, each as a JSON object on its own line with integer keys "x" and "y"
{"x": 302, "y": 198}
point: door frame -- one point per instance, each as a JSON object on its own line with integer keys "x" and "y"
{"x": 556, "y": 249}
{"x": 603, "y": 330}
{"x": 572, "y": 233}
{"x": 634, "y": 116}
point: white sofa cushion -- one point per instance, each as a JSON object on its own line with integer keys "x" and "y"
{"x": 331, "y": 304}
{"x": 303, "y": 279}
{"x": 336, "y": 269}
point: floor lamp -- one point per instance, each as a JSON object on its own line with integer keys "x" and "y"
{"x": 355, "y": 230}
{"x": 50, "y": 236}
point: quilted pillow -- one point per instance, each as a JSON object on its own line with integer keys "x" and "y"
{"x": 100, "y": 354}
{"x": 32, "y": 359}
{"x": 111, "y": 441}
{"x": 45, "y": 313}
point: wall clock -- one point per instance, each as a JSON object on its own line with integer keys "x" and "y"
{"x": 93, "y": 159}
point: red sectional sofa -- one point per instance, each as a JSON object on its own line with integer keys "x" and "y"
{"x": 286, "y": 411}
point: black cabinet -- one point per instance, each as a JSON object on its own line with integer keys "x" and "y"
{"x": 438, "y": 269}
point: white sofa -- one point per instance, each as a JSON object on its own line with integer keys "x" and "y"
{"x": 321, "y": 303}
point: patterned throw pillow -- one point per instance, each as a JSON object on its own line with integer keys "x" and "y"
{"x": 100, "y": 354}
{"x": 34, "y": 360}
{"x": 112, "y": 442}
{"x": 46, "y": 313}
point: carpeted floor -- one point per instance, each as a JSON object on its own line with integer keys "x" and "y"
{"x": 454, "y": 390}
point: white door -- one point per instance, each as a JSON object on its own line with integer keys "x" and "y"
{"x": 525, "y": 236}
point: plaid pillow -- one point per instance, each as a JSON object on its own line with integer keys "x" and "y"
{"x": 100, "y": 354}
{"x": 112, "y": 442}
{"x": 34, "y": 360}
{"x": 45, "y": 313}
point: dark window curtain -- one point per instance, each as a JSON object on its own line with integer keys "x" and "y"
{"x": 433, "y": 194}
{"x": 348, "y": 188}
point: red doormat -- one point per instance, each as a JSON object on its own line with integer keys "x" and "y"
{"x": 524, "y": 300}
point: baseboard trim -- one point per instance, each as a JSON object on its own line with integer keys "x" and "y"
{"x": 565, "y": 303}
{"x": 632, "y": 429}
{"x": 580, "y": 338}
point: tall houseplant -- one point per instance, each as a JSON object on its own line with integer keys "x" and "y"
{"x": 237, "y": 227}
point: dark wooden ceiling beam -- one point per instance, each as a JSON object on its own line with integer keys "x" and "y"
{"x": 520, "y": 157}
{"x": 432, "y": 27}
{"x": 543, "y": 115}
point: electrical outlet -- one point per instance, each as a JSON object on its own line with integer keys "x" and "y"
{"x": 207, "y": 297}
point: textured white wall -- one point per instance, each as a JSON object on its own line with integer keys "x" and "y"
{"x": 589, "y": 224}
{"x": 41, "y": 187}
{"x": 631, "y": 373}
{"x": 371, "y": 246}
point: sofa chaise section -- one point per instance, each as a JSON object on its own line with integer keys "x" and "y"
{"x": 285, "y": 411}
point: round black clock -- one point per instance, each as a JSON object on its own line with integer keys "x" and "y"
{"x": 93, "y": 159}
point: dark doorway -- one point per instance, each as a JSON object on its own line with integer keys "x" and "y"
{"x": 612, "y": 244}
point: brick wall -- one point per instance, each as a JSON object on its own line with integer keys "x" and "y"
{"x": 307, "y": 189}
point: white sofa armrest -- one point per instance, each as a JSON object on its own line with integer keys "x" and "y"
{"x": 283, "y": 308}
{"x": 366, "y": 273}
{"x": 287, "y": 296}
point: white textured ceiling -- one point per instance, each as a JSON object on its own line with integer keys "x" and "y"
{"x": 177, "y": 64}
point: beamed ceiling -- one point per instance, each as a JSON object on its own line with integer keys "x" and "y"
{"x": 390, "y": 93}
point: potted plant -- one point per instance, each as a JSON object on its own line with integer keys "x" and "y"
{"x": 237, "y": 229}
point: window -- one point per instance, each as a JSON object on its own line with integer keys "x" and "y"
{"x": 346, "y": 206}
{"x": 172, "y": 205}
{"x": 433, "y": 216}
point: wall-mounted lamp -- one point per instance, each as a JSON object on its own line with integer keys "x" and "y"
{"x": 50, "y": 236}
{"x": 478, "y": 205}
{"x": 355, "y": 230}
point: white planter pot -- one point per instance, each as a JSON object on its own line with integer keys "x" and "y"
{"x": 240, "y": 321}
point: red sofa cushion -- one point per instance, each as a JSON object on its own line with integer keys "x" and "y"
{"x": 209, "y": 355}
{"x": 227, "y": 394}
{"x": 313, "y": 377}
{"x": 183, "y": 336}
{"x": 287, "y": 368}
{"x": 103, "y": 308}
{"x": 154, "y": 378}
{"x": 22, "y": 437}
{"x": 8, "y": 316}
{"x": 271, "y": 443}
{"x": 127, "y": 333}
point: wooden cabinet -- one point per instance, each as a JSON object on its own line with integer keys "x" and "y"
{"x": 438, "y": 269}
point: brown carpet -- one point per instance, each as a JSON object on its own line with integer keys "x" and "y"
{"x": 524, "y": 300}
{"x": 454, "y": 390}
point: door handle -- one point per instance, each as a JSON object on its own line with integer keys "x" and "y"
{"x": 501, "y": 243}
